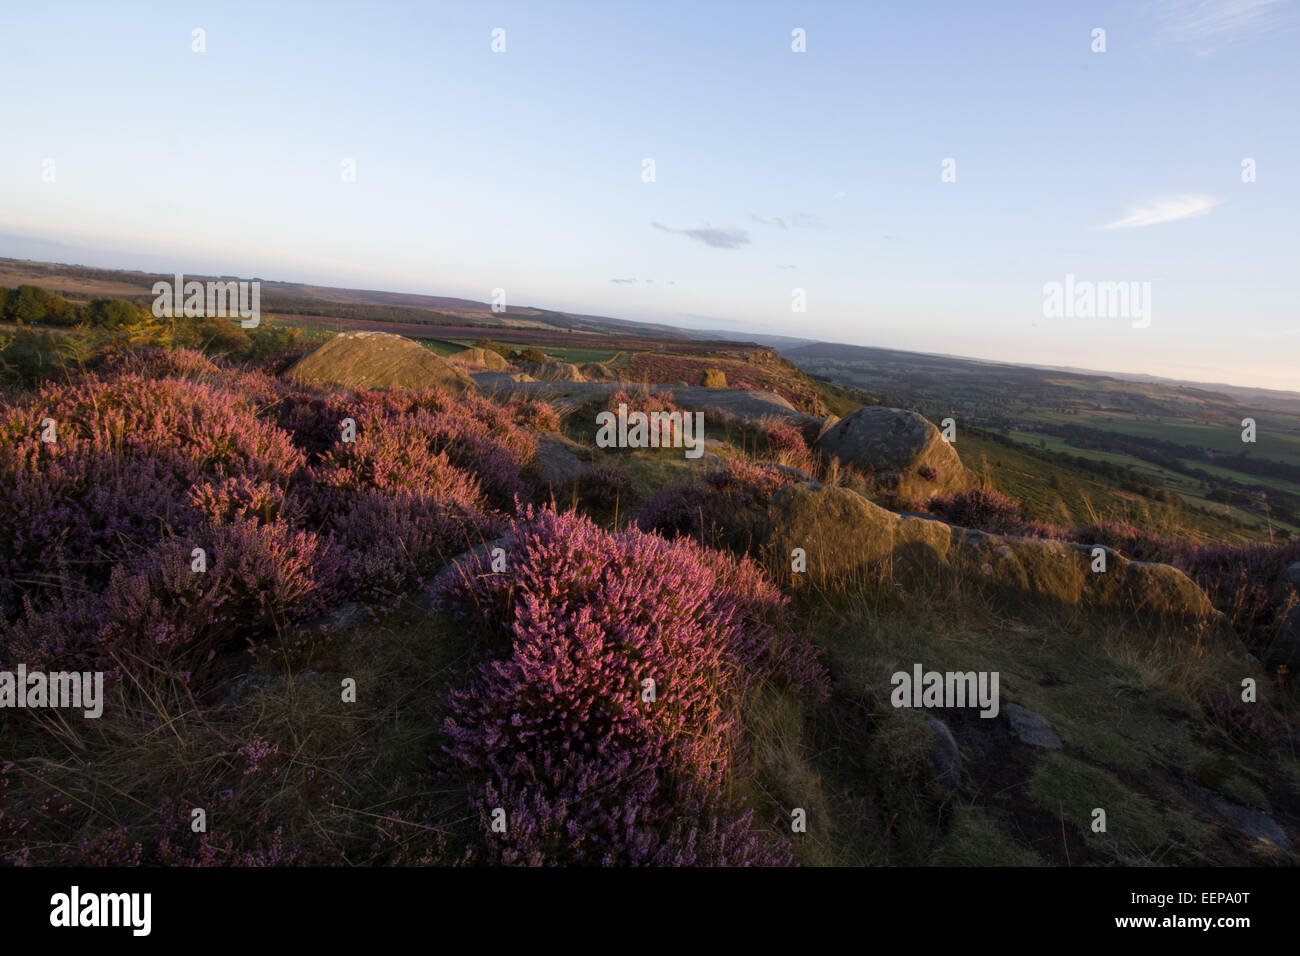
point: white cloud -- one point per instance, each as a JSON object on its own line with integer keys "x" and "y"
{"x": 1168, "y": 209}
{"x": 1195, "y": 21}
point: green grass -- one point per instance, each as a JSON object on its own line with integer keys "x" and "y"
{"x": 1124, "y": 700}
{"x": 441, "y": 347}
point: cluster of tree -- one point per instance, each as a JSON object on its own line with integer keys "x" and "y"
{"x": 32, "y": 305}
{"x": 55, "y": 332}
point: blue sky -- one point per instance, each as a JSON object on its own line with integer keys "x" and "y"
{"x": 774, "y": 170}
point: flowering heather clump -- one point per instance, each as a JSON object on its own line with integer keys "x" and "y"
{"x": 468, "y": 458}
{"x": 787, "y": 444}
{"x": 314, "y": 422}
{"x": 1248, "y": 724}
{"x": 605, "y": 486}
{"x": 560, "y": 729}
{"x": 215, "y": 429}
{"x": 1241, "y": 581}
{"x": 243, "y": 497}
{"x": 534, "y": 414}
{"x": 259, "y": 578}
{"x": 647, "y": 402}
{"x": 70, "y": 518}
{"x": 393, "y": 541}
{"x": 1130, "y": 541}
{"x": 156, "y": 363}
{"x": 984, "y": 509}
{"x": 726, "y": 509}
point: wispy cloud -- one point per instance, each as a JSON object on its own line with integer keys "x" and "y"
{"x": 1207, "y": 21}
{"x": 718, "y": 238}
{"x": 1168, "y": 209}
{"x": 623, "y": 281}
{"x": 799, "y": 220}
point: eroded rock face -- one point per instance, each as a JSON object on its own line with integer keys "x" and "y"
{"x": 843, "y": 535}
{"x": 596, "y": 372}
{"x": 554, "y": 372}
{"x": 378, "y": 360}
{"x": 1032, "y": 727}
{"x": 480, "y": 359}
{"x": 848, "y": 539}
{"x": 560, "y": 460}
{"x": 892, "y": 444}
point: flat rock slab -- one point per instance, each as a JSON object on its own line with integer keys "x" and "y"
{"x": 1253, "y": 823}
{"x": 1032, "y": 728}
{"x": 746, "y": 404}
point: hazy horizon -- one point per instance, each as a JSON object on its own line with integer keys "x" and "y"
{"x": 778, "y": 175}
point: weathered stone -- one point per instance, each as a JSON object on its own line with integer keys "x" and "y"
{"x": 1032, "y": 728}
{"x": 378, "y": 360}
{"x": 843, "y": 534}
{"x": 559, "y": 460}
{"x": 894, "y": 444}
{"x": 553, "y": 371}
{"x": 1253, "y": 823}
{"x": 480, "y": 359}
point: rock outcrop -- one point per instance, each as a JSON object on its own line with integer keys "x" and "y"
{"x": 894, "y": 445}
{"x": 378, "y": 360}
{"x": 560, "y": 460}
{"x": 553, "y": 371}
{"x": 848, "y": 539}
{"x": 480, "y": 359}
{"x": 596, "y": 372}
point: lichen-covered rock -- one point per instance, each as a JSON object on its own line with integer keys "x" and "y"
{"x": 560, "y": 460}
{"x": 847, "y": 539}
{"x": 893, "y": 444}
{"x": 554, "y": 371}
{"x": 843, "y": 535}
{"x": 378, "y": 360}
{"x": 598, "y": 372}
{"x": 480, "y": 359}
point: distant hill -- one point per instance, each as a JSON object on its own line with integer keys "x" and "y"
{"x": 296, "y": 298}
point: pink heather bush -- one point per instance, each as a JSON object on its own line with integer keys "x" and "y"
{"x": 216, "y": 430}
{"x": 984, "y": 509}
{"x": 260, "y": 579}
{"x": 727, "y": 509}
{"x": 392, "y": 541}
{"x": 646, "y": 401}
{"x": 314, "y": 422}
{"x": 242, "y": 497}
{"x": 786, "y": 443}
{"x": 605, "y": 487}
{"x": 70, "y": 518}
{"x": 1244, "y": 582}
{"x": 177, "y": 451}
{"x": 1130, "y": 541}
{"x": 554, "y": 728}
{"x": 533, "y": 413}
{"x": 426, "y": 440}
